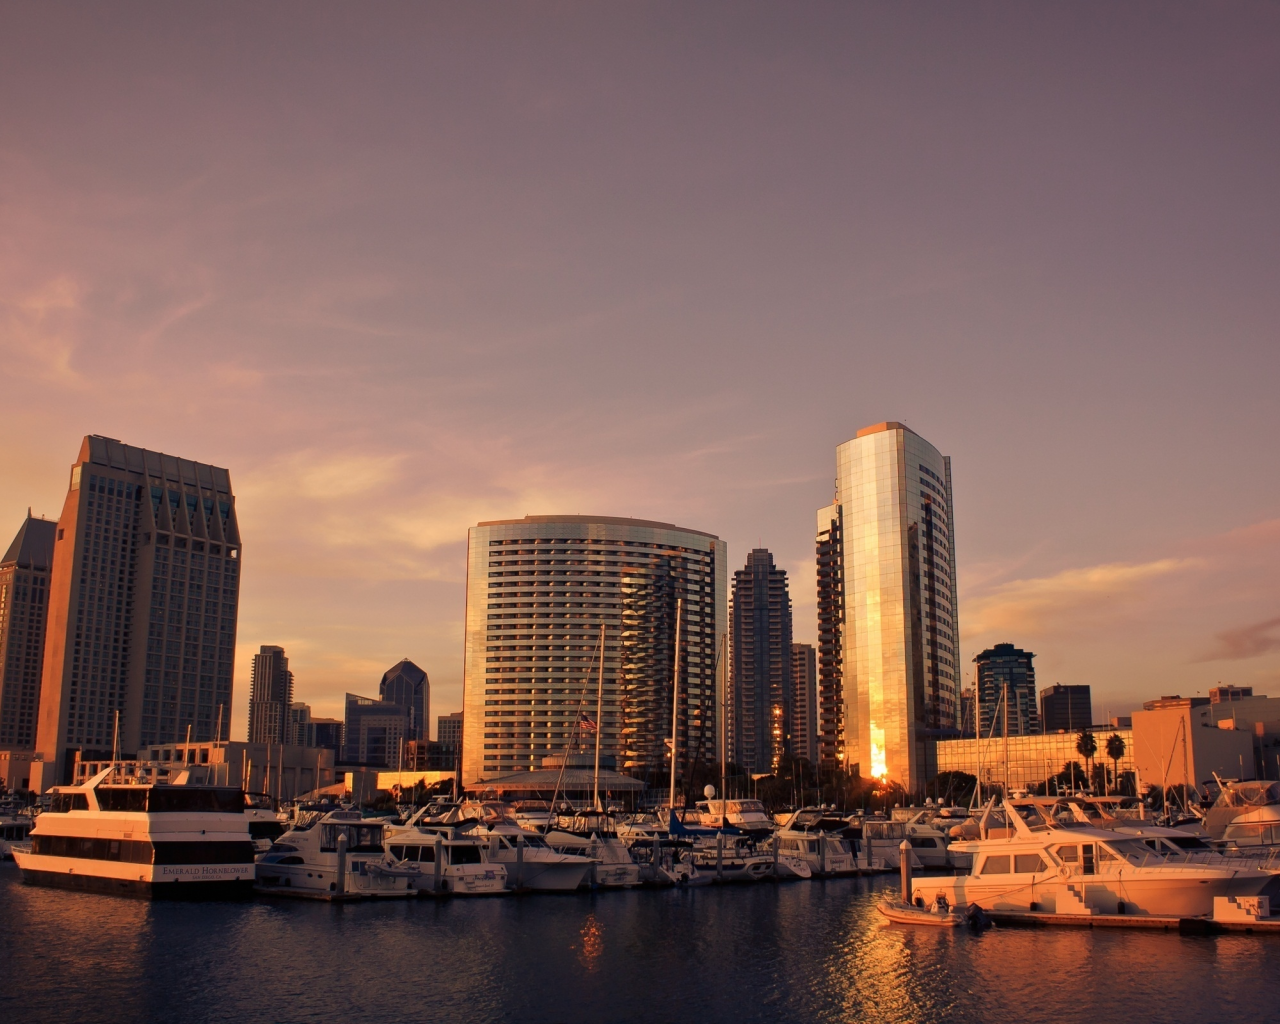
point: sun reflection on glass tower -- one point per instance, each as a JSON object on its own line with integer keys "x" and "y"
{"x": 887, "y": 582}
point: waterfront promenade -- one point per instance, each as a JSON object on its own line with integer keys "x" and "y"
{"x": 814, "y": 952}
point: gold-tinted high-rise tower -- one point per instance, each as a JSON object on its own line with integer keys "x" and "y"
{"x": 142, "y": 608}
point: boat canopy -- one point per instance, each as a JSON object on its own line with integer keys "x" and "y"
{"x": 1249, "y": 794}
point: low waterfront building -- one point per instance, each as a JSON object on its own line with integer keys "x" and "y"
{"x": 1032, "y": 759}
{"x": 1184, "y": 740}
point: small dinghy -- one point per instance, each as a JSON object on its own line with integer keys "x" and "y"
{"x": 939, "y": 915}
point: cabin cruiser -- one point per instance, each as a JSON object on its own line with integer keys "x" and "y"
{"x": 821, "y": 853}
{"x": 594, "y": 835}
{"x": 266, "y": 824}
{"x": 340, "y": 854}
{"x": 14, "y": 827}
{"x": 1246, "y": 814}
{"x": 744, "y": 815}
{"x": 533, "y": 814}
{"x": 154, "y": 840}
{"x": 530, "y": 862}
{"x": 451, "y": 857}
{"x": 733, "y": 858}
{"x": 1039, "y": 864}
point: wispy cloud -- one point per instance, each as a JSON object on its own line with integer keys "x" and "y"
{"x": 1091, "y": 594}
{"x": 1246, "y": 642}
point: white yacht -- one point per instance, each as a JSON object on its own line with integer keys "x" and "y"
{"x": 1041, "y": 864}
{"x": 15, "y": 824}
{"x": 1246, "y": 814}
{"x": 338, "y": 854}
{"x": 530, "y": 862}
{"x": 451, "y": 858}
{"x": 155, "y": 840}
{"x": 746, "y": 815}
{"x": 594, "y": 834}
{"x": 733, "y": 859}
{"x": 822, "y": 854}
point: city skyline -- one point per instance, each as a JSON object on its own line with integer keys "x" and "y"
{"x": 392, "y": 326}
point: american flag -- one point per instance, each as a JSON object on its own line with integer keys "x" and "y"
{"x": 584, "y": 722}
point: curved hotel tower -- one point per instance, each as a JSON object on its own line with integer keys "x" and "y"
{"x": 538, "y": 590}
{"x": 888, "y": 631}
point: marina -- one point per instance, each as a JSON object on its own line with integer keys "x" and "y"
{"x": 742, "y": 953}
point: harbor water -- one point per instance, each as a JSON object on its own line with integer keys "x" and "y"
{"x": 813, "y": 951}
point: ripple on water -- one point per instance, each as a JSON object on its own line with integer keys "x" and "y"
{"x": 800, "y": 952}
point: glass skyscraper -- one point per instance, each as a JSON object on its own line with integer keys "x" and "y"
{"x": 887, "y": 601}
{"x": 538, "y": 591}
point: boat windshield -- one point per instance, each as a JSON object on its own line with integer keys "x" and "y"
{"x": 1135, "y": 851}
{"x": 1249, "y": 794}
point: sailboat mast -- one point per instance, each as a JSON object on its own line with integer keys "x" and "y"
{"x": 675, "y": 704}
{"x": 595, "y": 782}
{"x": 1006, "y": 741}
{"x": 724, "y": 723}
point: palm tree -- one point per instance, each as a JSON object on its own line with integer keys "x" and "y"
{"x": 1115, "y": 751}
{"x": 1086, "y": 747}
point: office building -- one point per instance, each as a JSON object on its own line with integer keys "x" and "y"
{"x": 1007, "y": 692}
{"x": 270, "y": 696}
{"x": 375, "y": 732}
{"x": 143, "y": 602}
{"x": 1032, "y": 759}
{"x": 804, "y": 702}
{"x": 449, "y": 731}
{"x": 886, "y": 552}
{"x": 407, "y": 685}
{"x": 306, "y": 730}
{"x": 538, "y": 591}
{"x": 1220, "y": 694}
{"x": 1066, "y": 708}
{"x": 24, "y": 611}
{"x": 760, "y": 692}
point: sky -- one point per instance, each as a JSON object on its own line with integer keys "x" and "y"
{"x": 405, "y": 267}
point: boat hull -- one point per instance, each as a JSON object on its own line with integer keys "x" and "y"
{"x": 142, "y": 887}
{"x": 903, "y": 913}
{"x": 1154, "y": 897}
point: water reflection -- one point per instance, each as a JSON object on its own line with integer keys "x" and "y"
{"x": 592, "y": 943}
{"x": 803, "y": 951}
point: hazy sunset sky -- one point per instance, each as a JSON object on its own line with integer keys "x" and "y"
{"x": 405, "y": 267}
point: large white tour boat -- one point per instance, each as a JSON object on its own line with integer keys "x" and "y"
{"x": 162, "y": 839}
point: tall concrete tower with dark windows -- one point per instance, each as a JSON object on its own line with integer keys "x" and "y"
{"x": 270, "y": 696}
{"x": 404, "y": 683}
{"x": 760, "y": 665}
{"x": 887, "y": 592}
{"x": 143, "y": 602}
{"x": 804, "y": 702}
{"x": 24, "y": 613}
{"x": 1005, "y": 670}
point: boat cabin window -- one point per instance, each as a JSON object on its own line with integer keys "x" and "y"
{"x": 1187, "y": 843}
{"x": 360, "y": 838}
{"x": 418, "y": 854}
{"x": 122, "y": 798}
{"x": 265, "y": 829}
{"x": 1087, "y": 859}
{"x": 1133, "y": 850}
{"x": 1027, "y": 863}
{"x": 996, "y": 865}
{"x": 64, "y": 802}
{"x": 923, "y": 843}
{"x": 464, "y": 855}
{"x": 189, "y": 799}
{"x": 1068, "y": 854}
